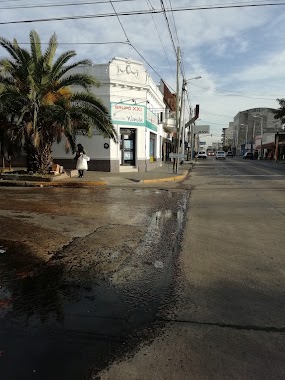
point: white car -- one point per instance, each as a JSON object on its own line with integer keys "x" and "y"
{"x": 201, "y": 154}
{"x": 220, "y": 154}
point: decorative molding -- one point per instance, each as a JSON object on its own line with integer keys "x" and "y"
{"x": 128, "y": 70}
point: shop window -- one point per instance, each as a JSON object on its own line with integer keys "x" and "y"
{"x": 152, "y": 147}
{"x": 127, "y": 146}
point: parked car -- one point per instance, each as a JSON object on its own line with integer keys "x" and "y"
{"x": 201, "y": 154}
{"x": 230, "y": 153}
{"x": 248, "y": 155}
{"x": 220, "y": 154}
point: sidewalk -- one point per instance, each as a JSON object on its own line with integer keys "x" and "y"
{"x": 163, "y": 173}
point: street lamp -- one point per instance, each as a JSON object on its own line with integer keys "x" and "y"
{"x": 185, "y": 81}
{"x": 261, "y": 131}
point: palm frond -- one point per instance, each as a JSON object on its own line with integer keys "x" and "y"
{"x": 68, "y": 68}
{"x": 6, "y": 81}
{"x": 70, "y": 142}
{"x": 24, "y": 58}
{"x": 50, "y": 51}
{"x": 84, "y": 81}
{"x": 90, "y": 99}
{"x": 61, "y": 61}
{"x": 94, "y": 117}
{"x": 7, "y": 45}
{"x": 36, "y": 48}
{"x": 6, "y": 66}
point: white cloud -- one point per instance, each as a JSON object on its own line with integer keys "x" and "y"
{"x": 234, "y": 50}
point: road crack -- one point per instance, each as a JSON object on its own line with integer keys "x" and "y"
{"x": 226, "y": 325}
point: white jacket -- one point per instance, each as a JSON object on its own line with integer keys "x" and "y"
{"x": 82, "y": 162}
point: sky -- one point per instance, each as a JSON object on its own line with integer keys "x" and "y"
{"x": 238, "y": 51}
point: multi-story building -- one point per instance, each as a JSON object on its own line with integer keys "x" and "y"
{"x": 229, "y": 135}
{"x": 249, "y": 124}
{"x": 141, "y": 113}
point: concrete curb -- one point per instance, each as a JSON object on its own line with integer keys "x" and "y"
{"x": 176, "y": 178}
{"x": 74, "y": 184}
{"x": 81, "y": 184}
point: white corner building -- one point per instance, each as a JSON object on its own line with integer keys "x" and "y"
{"x": 137, "y": 110}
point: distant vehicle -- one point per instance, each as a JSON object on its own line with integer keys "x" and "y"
{"x": 230, "y": 153}
{"x": 210, "y": 153}
{"x": 248, "y": 155}
{"x": 201, "y": 154}
{"x": 220, "y": 154}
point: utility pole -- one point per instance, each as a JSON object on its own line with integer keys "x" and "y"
{"x": 189, "y": 138}
{"x": 252, "y": 136}
{"x": 175, "y": 162}
{"x": 181, "y": 137}
{"x": 192, "y": 140}
{"x": 196, "y": 116}
{"x": 182, "y": 121}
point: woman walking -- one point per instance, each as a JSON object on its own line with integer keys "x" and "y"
{"x": 82, "y": 158}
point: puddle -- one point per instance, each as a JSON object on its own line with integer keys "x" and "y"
{"x": 70, "y": 329}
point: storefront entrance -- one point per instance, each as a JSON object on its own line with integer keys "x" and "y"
{"x": 152, "y": 147}
{"x": 128, "y": 143}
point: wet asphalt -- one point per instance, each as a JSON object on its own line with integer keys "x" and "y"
{"x": 85, "y": 276}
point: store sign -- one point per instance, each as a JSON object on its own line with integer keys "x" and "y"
{"x": 127, "y": 114}
{"x": 201, "y": 129}
{"x": 152, "y": 120}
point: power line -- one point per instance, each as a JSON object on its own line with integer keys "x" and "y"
{"x": 131, "y": 43}
{"x": 182, "y": 70}
{"x": 119, "y": 21}
{"x": 93, "y": 2}
{"x": 168, "y": 26}
{"x": 174, "y": 25}
{"x": 232, "y": 93}
{"x": 81, "y": 43}
{"x": 135, "y": 13}
{"x": 210, "y": 122}
{"x": 151, "y": 7}
{"x": 55, "y": 5}
{"x": 216, "y": 114}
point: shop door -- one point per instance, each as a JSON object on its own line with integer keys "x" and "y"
{"x": 152, "y": 155}
{"x": 128, "y": 143}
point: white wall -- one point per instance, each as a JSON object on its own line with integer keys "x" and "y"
{"x": 121, "y": 81}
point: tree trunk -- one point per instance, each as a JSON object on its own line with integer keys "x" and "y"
{"x": 45, "y": 158}
{"x": 32, "y": 158}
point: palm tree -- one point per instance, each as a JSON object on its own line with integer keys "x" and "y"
{"x": 35, "y": 91}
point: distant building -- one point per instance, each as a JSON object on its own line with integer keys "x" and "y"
{"x": 217, "y": 145}
{"x": 249, "y": 124}
{"x": 229, "y": 135}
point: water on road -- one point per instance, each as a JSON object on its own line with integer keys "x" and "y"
{"x": 84, "y": 276}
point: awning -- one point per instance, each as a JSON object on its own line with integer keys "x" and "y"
{"x": 266, "y": 146}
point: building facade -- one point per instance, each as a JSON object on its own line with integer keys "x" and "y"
{"x": 139, "y": 114}
{"x": 229, "y": 136}
{"x": 250, "y": 124}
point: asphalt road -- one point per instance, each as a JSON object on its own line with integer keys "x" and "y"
{"x": 228, "y": 321}
{"x": 84, "y": 275}
{"x": 146, "y": 283}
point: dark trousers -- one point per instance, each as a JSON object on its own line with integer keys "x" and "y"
{"x": 80, "y": 172}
